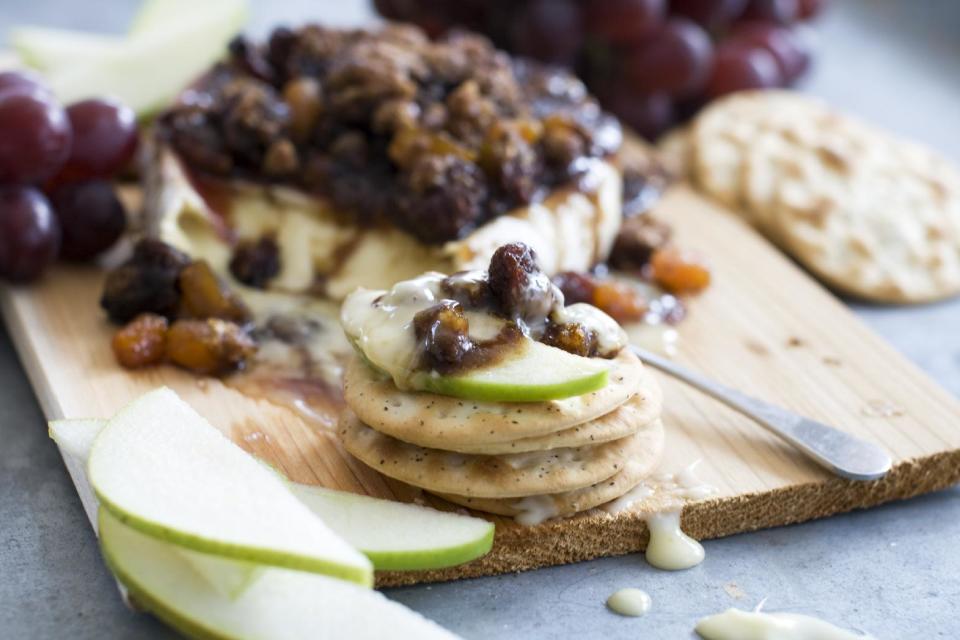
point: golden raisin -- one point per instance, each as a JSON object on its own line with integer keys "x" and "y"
{"x": 304, "y": 96}
{"x": 621, "y": 301}
{"x": 679, "y": 272}
{"x": 204, "y": 296}
{"x": 141, "y": 342}
{"x": 212, "y": 346}
{"x": 572, "y": 337}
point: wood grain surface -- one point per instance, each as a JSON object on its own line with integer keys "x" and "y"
{"x": 764, "y": 327}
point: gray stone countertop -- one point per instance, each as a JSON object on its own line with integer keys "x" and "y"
{"x": 894, "y": 570}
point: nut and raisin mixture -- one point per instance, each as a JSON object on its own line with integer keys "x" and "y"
{"x": 514, "y": 289}
{"x": 174, "y": 309}
{"x": 436, "y": 137}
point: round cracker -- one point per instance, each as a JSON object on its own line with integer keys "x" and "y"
{"x": 623, "y": 421}
{"x": 566, "y": 503}
{"x": 438, "y": 421}
{"x": 499, "y": 476}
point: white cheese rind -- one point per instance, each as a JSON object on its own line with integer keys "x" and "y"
{"x": 570, "y": 230}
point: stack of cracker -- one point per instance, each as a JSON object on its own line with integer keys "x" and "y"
{"x": 870, "y": 214}
{"x": 532, "y": 460}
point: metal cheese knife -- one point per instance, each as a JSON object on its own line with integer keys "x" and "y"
{"x": 835, "y": 450}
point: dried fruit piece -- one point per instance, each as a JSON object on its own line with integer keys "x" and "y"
{"x": 141, "y": 343}
{"x": 441, "y": 331}
{"x": 572, "y": 337}
{"x": 576, "y": 287}
{"x": 619, "y": 300}
{"x": 204, "y": 296}
{"x": 212, "y": 346}
{"x": 522, "y": 292}
{"x": 256, "y": 263}
{"x": 638, "y": 238}
{"x": 679, "y": 272}
{"x": 146, "y": 283}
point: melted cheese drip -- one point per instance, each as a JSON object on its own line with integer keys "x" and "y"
{"x": 630, "y": 602}
{"x": 380, "y": 323}
{"x": 669, "y": 547}
{"x": 535, "y": 509}
{"x": 610, "y": 336}
{"x": 734, "y": 624}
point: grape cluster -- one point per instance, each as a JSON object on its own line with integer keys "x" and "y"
{"x": 651, "y": 62}
{"x": 55, "y": 164}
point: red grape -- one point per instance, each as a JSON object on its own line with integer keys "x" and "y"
{"x": 779, "y": 11}
{"x": 91, "y": 217}
{"x": 810, "y": 9}
{"x": 29, "y": 233}
{"x": 623, "y": 21}
{"x": 675, "y": 60}
{"x": 649, "y": 115}
{"x": 20, "y": 80}
{"x": 787, "y": 47}
{"x": 34, "y": 135}
{"x": 738, "y": 66}
{"x": 104, "y": 140}
{"x": 548, "y": 30}
{"x": 710, "y": 14}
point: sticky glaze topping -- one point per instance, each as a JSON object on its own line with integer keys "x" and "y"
{"x": 435, "y": 137}
{"x": 472, "y": 319}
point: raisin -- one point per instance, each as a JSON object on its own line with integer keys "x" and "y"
{"x": 204, "y": 296}
{"x": 638, "y": 238}
{"x": 576, "y": 287}
{"x": 679, "y": 272}
{"x": 572, "y": 337}
{"x": 141, "y": 342}
{"x": 146, "y": 283}
{"x": 521, "y": 291}
{"x": 256, "y": 263}
{"x": 212, "y": 346}
{"x": 441, "y": 331}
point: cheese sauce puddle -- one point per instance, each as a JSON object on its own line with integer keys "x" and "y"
{"x": 734, "y": 624}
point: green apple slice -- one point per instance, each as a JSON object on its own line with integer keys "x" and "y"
{"x": 393, "y": 535}
{"x": 49, "y": 49}
{"x": 162, "y": 469}
{"x": 147, "y": 72}
{"x": 281, "y": 604}
{"x": 535, "y": 373}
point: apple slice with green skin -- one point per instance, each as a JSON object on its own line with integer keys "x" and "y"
{"x": 534, "y": 372}
{"x": 162, "y": 469}
{"x": 48, "y": 49}
{"x": 394, "y": 535}
{"x": 281, "y": 604}
{"x": 131, "y": 73}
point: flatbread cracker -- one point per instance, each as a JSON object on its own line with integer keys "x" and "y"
{"x": 635, "y": 470}
{"x": 497, "y": 476}
{"x": 444, "y": 422}
{"x": 623, "y": 421}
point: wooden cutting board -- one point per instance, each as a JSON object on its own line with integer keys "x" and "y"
{"x": 764, "y": 327}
